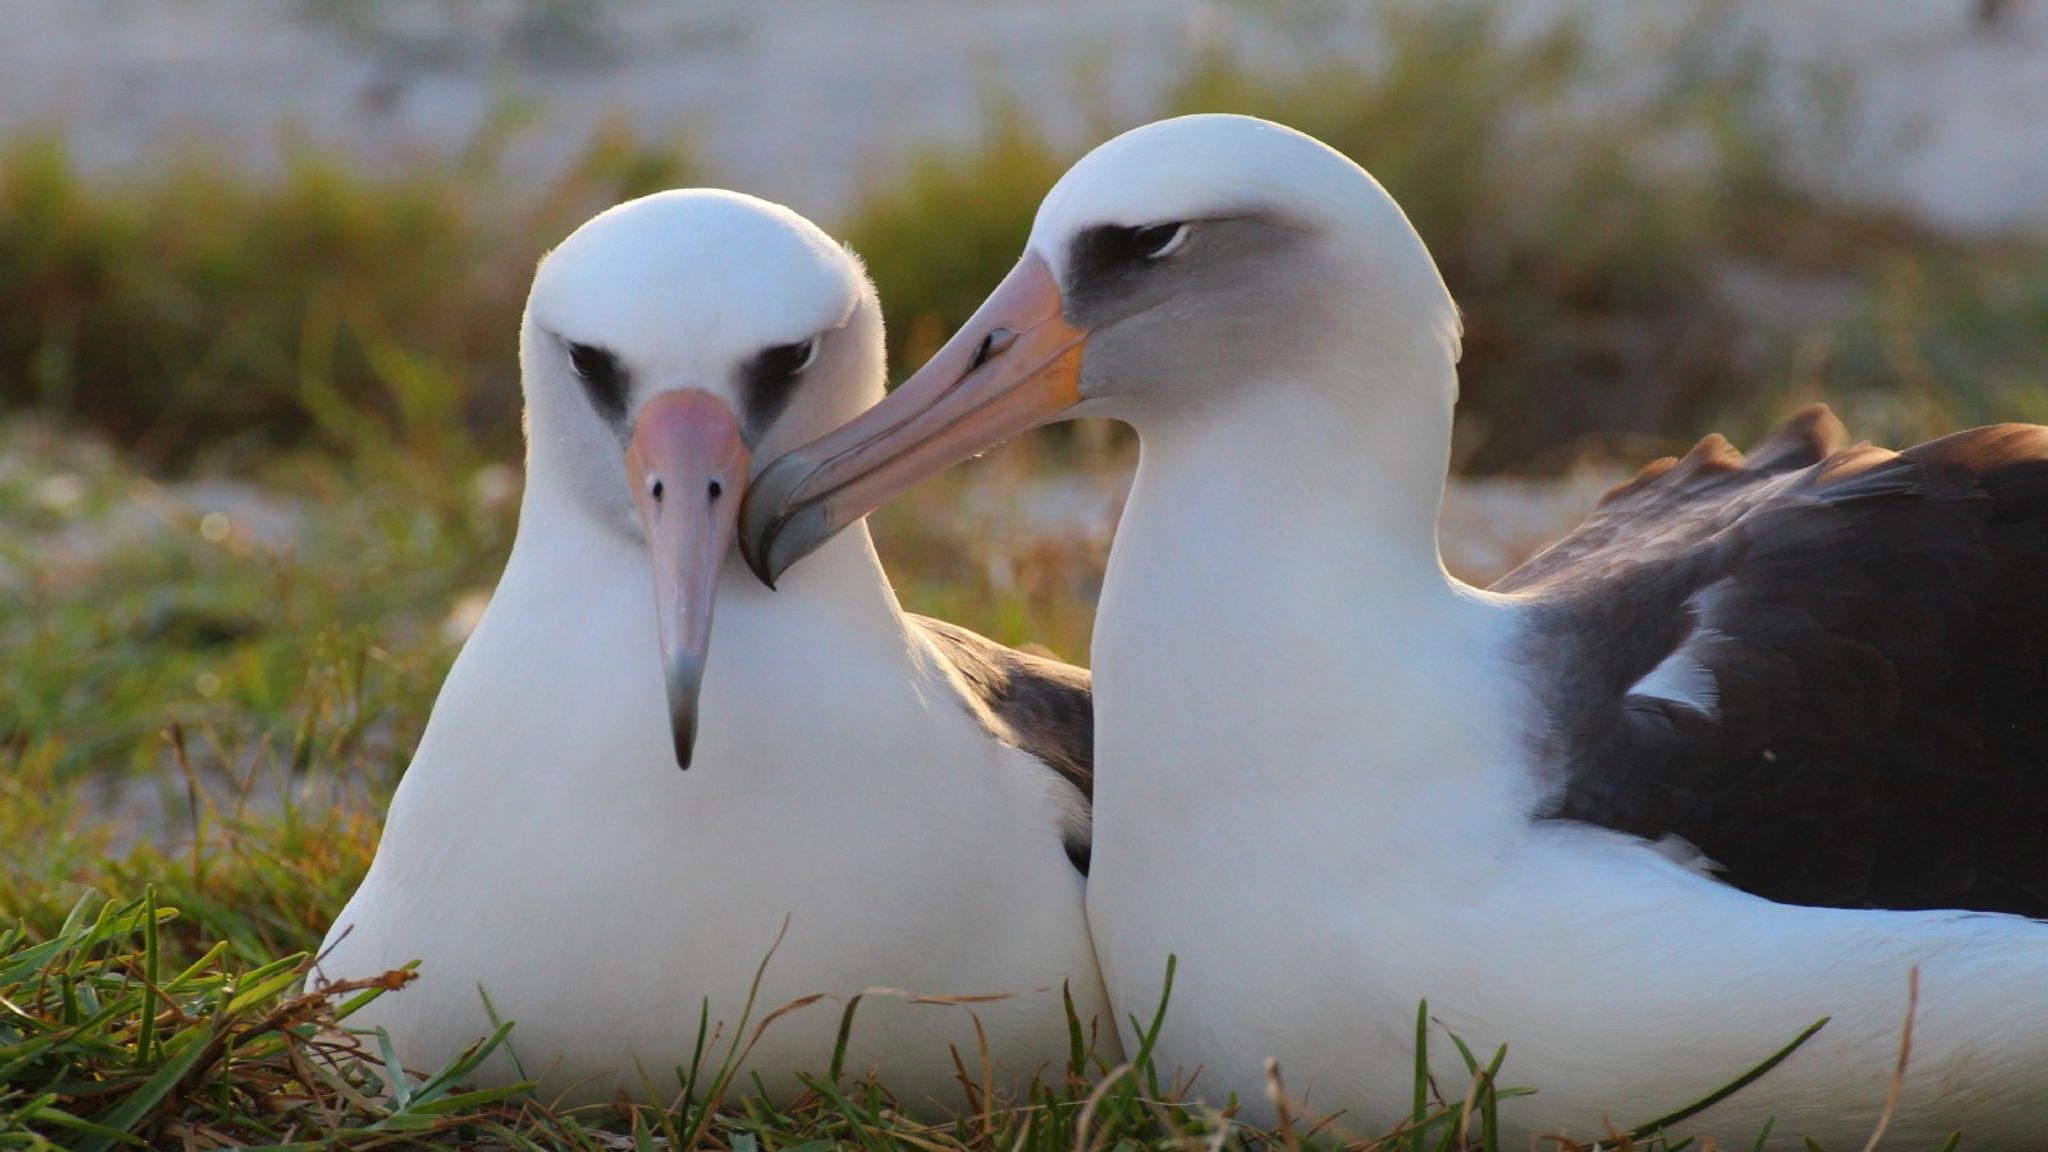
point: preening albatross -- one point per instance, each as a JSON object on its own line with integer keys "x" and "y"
{"x": 911, "y": 796}
{"x": 1336, "y": 781}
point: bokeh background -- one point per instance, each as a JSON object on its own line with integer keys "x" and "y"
{"x": 261, "y": 265}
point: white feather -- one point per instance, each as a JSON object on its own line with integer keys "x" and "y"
{"x": 543, "y": 848}
{"x": 1683, "y": 680}
{"x": 1315, "y": 788}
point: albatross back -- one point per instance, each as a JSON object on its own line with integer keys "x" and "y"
{"x": 1824, "y": 666}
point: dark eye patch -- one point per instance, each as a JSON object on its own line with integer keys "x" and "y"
{"x": 1107, "y": 256}
{"x": 1107, "y": 247}
{"x": 769, "y": 380}
{"x": 604, "y": 379}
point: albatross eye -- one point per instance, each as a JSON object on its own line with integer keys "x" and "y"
{"x": 604, "y": 378}
{"x": 1113, "y": 249}
{"x": 595, "y": 365}
{"x": 768, "y": 380}
{"x": 1157, "y": 240}
{"x": 787, "y": 359}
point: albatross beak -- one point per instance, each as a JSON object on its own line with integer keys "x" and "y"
{"x": 1015, "y": 365}
{"x": 688, "y": 469}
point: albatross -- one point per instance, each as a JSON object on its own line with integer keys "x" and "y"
{"x": 909, "y": 798}
{"x": 1762, "y": 738}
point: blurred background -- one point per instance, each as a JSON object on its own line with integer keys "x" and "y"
{"x": 261, "y": 267}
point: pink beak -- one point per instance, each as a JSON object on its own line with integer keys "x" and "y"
{"x": 688, "y": 469}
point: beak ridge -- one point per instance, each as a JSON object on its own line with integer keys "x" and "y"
{"x": 1014, "y": 365}
{"x": 688, "y": 469}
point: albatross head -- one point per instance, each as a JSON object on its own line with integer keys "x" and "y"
{"x": 667, "y": 344}
{"x": 1167, "y": 271}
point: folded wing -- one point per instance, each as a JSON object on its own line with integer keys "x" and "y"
{"x": 1825, "y": 666}
{"x": 1040, "y": 706}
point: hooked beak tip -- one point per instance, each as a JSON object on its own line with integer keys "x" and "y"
{"x": 685, "y": 680}
{"x": 779, "y": 526}
{"x": 755, "y": 547}
{"x": 796, "y": 533}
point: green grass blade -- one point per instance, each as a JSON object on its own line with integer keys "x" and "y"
{"x": 145, "y": 1036}
{"x": 132, "y": 1111}
{"x": 464, "y": 1101}
{"x": 41, "y": 1112}
{"x": 839, "y": 1043}
{"x": 1644, "y": 1131}
{"x": 1077, "y": 1042}
{"x": 1148, "y": 1038}
{"x": 1418, "y": 1114}
{"x": 499, "y": 1022}
{"x": 459, "y": 1069}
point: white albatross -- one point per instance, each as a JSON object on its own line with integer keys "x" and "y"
{"x": 1336, "y": 781}
{"x": 869, "y": 775}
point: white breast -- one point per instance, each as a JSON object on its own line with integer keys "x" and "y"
{"x": 544, "y": 847}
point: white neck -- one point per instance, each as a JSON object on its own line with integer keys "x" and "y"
{"x": 581, "y": 591}
{"x": 1312, "y": 788}
{"x": 1276, "y": 623}
{"x": 1341, "y": 467}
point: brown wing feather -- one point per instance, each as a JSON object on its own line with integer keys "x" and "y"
{"x": 1874, "y": 626}
{"x": 1038, "y": 705}
{"x": 1702, "y": 490}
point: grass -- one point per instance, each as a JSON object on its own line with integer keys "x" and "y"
{"x": 108, "y": 1043}
{"x": 265, "y": 686}
{"x": 255, "y": 449}
{"x": 261, "y": 689}
{"x": 196, "y": 312}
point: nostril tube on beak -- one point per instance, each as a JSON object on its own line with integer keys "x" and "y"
{"x": 996, "y": 340}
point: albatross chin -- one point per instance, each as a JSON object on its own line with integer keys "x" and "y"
{"x": 911, "y": 797}
{"x": 1755, "y": 742}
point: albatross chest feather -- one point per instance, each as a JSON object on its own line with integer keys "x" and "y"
{"x": 881, "y": 802}
{"x": 553, "y": 856}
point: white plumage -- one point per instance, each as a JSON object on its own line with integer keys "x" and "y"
{"x": 543, "y": 847}
{"x": 1327, "y": 769}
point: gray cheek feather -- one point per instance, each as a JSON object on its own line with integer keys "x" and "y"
{"x": 1246, "y": 299}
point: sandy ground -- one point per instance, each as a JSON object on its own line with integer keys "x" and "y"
{"x": 1915, "y": 103}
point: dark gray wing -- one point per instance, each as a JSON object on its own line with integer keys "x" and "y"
{"x": 1038, "y": 705}
{"x": 1824, "y": 666}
